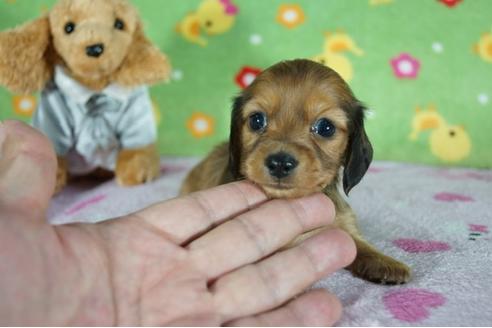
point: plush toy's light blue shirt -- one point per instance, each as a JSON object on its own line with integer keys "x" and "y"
{"x": 88, "y": 127}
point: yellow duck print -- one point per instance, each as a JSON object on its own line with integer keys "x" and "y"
{"x": 425, "y": 120}
{"x": 484, "y": 47}
{"x": 335, "y": 44}
{"x": 449, "y": 143}
{"x": 212, "y": 17}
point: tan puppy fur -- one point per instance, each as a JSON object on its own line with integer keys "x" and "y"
{"x": 294, "y": 96}
{"x": 29, "y": 53}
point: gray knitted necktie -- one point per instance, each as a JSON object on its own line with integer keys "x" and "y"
{"x": 96, "y": 133}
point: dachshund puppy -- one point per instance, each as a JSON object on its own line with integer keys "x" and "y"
{"x": 297, "y": 130}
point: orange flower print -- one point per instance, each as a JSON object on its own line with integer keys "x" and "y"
{"x": 200, "y": 125}
{"x": 24, "y": 105}
{"x": 290, "y": 16}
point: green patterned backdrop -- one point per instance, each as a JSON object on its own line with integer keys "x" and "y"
{"x": 423, "y": 67}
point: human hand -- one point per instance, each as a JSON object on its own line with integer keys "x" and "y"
{"x": 204, "y": 259}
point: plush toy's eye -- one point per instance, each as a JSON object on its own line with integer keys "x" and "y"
{"x": 324, "y": 127}
{"x": 119, "y": 24}
{"x": 257, "y": 121}
{"x": 69, "y": 27}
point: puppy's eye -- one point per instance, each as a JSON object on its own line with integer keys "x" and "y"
{"x": 324, "y": 127}
{"x": 69, "y": 27}
{"x": 257, "y": 121}
{"x": 119, "y": 24}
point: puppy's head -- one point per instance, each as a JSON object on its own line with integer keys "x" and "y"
{"x": 294, "y": 127}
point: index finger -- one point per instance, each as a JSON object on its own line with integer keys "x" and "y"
{"x": 186, "y": 217}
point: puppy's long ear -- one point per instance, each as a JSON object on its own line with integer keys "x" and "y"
{"x": 144, "y": 63}
{"x": 359, "y": 152}
{"x": 26, "y": 57}
{"x": 235, "y": 140}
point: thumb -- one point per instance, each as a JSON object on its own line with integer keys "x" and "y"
{"x": 27, "y": 169}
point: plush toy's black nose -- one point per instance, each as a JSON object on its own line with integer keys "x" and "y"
{"x": 95, "y": 50}
{"x": 280, "y": 165}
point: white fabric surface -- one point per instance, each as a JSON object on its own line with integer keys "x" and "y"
{"x": 436, "y": 220}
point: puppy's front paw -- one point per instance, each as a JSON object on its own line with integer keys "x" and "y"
{"x": 137, "y": 166}
{"x": 372, "y": 265}
{"x": 380, "y": 269}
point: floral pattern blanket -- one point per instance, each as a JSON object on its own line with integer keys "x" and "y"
{"x": 437, "y": 220}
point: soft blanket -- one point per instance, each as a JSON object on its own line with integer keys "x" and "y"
{"x": 437, "y": 220}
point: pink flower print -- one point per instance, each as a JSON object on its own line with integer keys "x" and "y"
{"x": 412, "y": 304}
{"x": 80, "y": 206}
{"x": 478, "y": 228}
{"x": 450, "y": 3}
{"x": 229, "y": 7}
{"x": 421, "y": 246}
{"x": 405, "y": 66}
{"x": 375, "y": 170}
{"x": 452, "y": 197}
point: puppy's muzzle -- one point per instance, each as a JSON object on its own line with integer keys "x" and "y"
{"x": 280, "y": 165}
{"x": 95, "y": 50}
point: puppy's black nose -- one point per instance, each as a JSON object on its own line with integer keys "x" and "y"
{"x": 95, "y": 50}
{"x": 280, "y": 164}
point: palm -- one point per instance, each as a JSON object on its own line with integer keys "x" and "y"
{"x": 150, "y": 260}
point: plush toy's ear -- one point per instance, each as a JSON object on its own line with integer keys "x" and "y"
{"x": 359, "y": 152}
{"x": 26, "y": 57}
{"x": 235, "y": 140}
{"x": 144, "y": 63}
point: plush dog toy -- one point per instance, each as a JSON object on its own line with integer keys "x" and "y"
{"x": 297, "y": 130}
{"x": 93, "y": 64}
